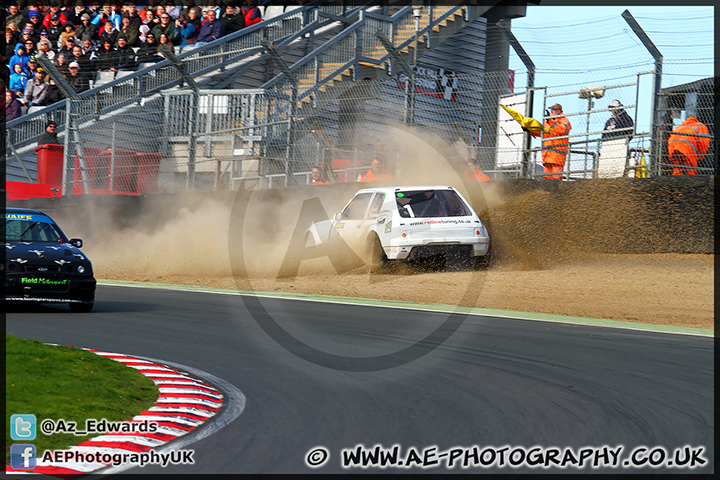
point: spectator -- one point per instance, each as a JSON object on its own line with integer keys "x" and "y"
{"x": 36, "y": 89}
{"x": 54, "y": 11}
{"x": 619, "y": 124}
{"x": 73, "y": 15}
{"x": 18, "y": 80}
{"x": 129, "y": 31}
{"x": 251, "y": 12}
{"x": 69, "y": 44}
{"x": 144, "y": 31}
{"x": 36, "y": 25}
{"x": 185, "y": 31}
{"x": 13, "y": 108}
{"x": 107, "y": 57}
{"x": 77, "y": 80}
{"x": 130, "y": 10}
{"x": 164, "y": 40}
{"x": 231, "y": 20}
{"x": 85, "y": 64}
{"x": 109, "y": 33}
{"x": 165, "y": 26}
{"x": 53, "y": 91}
{"x": 10, "y": 42}
{"x": 45, "y": 50}
{"x": 194, "y": 16}
{"x": 318, "y": 177}
{"x": 377, "y": 172}
{"x": 19, "y": 58}
{"x": 211, "y": 30}
{"x": 555, "y": 150}
{"x": 105, "y": 14}
{"x": 148, "y": 51}
{"x": 32, "y": 67}
{"x": 50, "y": 136}
{"x": 89, "y": 48}
{"x": 685, "y": 149}
{"x": 150, "y": 19}
{"x": 86, "y": 28}
{"x": 66, "y": 35}
{"x": 172, "y": 10}
{"x": 54, "y": 31}
{"x": 61, "y": 63}
{"x": 126, "y": 54}
{"x": 15, "y": 17}
{"x": 30, "y": 50}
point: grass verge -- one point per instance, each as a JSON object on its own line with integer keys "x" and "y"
{"x": 58, "y": 382}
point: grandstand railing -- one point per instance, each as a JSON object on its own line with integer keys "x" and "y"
{"x": 358, "y": 44}
{"x": 197, "y": 61}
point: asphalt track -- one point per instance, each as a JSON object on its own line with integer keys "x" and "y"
{"x": 494, "y": 382}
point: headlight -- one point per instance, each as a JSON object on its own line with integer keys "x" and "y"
{"x": 81, "y": 269}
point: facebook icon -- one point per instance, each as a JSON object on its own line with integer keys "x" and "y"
{"x": 23, "y": 456}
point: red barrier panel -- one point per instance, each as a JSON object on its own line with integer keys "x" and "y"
{"x": 123, "y": 170}
{"x": 50, "y": 163}
{"x": 341, "y": 164}
{"x": 23, "y": 191}
{"x": 97, "y": 172}
{"x": 147, "y": 172}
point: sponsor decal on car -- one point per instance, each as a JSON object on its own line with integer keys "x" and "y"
{"x": 43, "y": 281}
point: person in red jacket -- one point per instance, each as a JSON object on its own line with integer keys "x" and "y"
{"x": 251, "y": 12}
{"x": 684, "y": 148}
{"x": 555, "y": 150}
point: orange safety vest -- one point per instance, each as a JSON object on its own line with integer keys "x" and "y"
{"x": 478, "y": 175}
{"x": 556, "y": 150}
{"x": 370, "y": 177}
{"x": 320, "y": 182}
{"x": 694, "y": 148}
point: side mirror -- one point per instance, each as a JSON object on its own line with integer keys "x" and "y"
{"x": 338, "y": 216}
{"x": 76, "y": 242}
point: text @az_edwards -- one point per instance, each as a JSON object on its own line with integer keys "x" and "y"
{"x": 686, "y": 457}
{"x": 94, "y": 426}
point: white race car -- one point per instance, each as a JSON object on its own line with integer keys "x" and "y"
{"x": 388, "y": 224}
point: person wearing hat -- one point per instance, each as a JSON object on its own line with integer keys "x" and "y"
{"x": 125, "y": 54}
{"x": 34, "y": 24}
{"x": 50, "y": 136}
{"x": 36, "y": 89}
{"x": 77, "y": 80}
{"x": 129, "y": 31}
{"x": 54, "y": 12}
{"x": 86, "y": 28}
{"x": 55, "y": 29}
{"x": 620, "y": 124}
{"x": 556, "y": 143}
{"x": 68, "y": 33}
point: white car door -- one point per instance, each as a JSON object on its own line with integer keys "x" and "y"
{"x": 351, "y": 220}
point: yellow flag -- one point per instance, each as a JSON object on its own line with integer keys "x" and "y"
{"x": 530, "y": 124}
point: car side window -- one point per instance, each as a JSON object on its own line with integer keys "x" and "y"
{"x": 355, "y": 210}
{"x": 376, "y": 204}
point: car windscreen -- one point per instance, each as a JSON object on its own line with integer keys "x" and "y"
{"x": 21, "y": 227}
{"x": 431, "y": 203}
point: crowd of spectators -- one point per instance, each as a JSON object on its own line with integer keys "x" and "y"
{"x": 84, "y": 37}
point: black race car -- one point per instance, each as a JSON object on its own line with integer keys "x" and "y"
{"x": 42, "y": 264}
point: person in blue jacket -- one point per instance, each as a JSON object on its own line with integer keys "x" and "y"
{"x": 19, "y": 57}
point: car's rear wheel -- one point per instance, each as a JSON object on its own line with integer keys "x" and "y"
{"x": 81, "y": 307}
{"x": 378, "y": 260}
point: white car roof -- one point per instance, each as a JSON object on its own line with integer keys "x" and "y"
{"x": 405, "y": 188}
